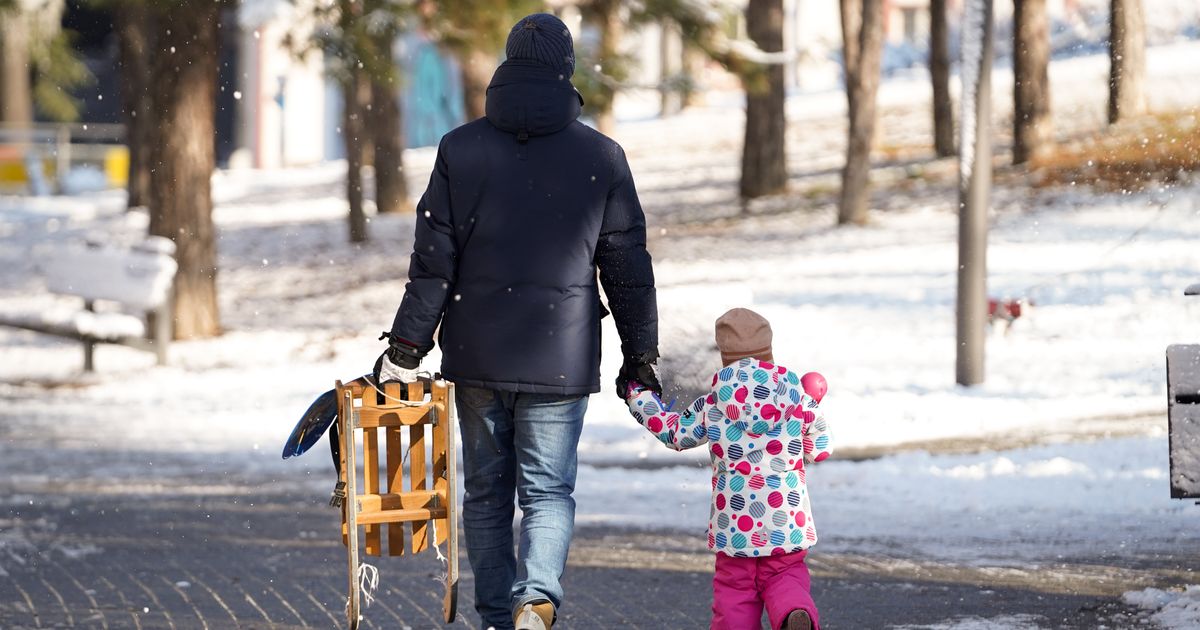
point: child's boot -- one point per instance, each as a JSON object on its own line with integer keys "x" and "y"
{"x": 536, "y": 615}
{"x": 798, "y": 620}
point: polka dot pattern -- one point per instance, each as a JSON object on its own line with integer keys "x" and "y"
{"x": 761, "y": 429}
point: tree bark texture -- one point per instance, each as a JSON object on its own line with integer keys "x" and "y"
{"x": 391, "y": 185}
{"x": 939, "y": 72}
{"x": 670, "y": 65}
{"x": 1033, "y": 131}
{"x": 764, "y": 160}
{"x": 612, "y": 29}
{"x": 356, "y": 94}
{"x": 1127, "y": 60}
{"x": 477, "y": 69}
{"x": 16, "y": 86}
{"x": 184, "y": 92}
{"x": 132, "y": 23}
{"x": 862, "y": 36}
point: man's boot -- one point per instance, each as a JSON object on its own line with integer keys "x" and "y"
{"x": 536, "y": 615}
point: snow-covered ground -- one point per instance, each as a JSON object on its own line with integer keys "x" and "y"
{"x": 872, "y": 308}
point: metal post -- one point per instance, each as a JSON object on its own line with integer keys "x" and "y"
{"x": 89, "y": 348}
{"x": 975, "y": 182}
{"x": 62, "y": 152}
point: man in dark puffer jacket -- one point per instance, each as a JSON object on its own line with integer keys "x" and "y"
{"x": 523, "y": 207}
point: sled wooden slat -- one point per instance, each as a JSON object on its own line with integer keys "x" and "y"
{"x": 417, "y": 473}
{"x": 395, "y": 483}
{"x": 374, "y": 545}
{"x": 391, "y": 516}
{"x": 392, "y": 417}
{"x": 427, "y": 499}
{"x": 396, "y": 501}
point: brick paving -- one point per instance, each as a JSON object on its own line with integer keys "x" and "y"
{"x": 266, "y": 560}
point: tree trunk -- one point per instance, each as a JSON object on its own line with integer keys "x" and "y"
{"x": 862, "y": 36}
{"x": 391, "y": 185}
{"x": 1127, "y": 59}
{"x": 939, "y": 72}
{"x": 356, "y": 95}
{"x": 764, "y": 162}
{"x": 670, "y": 65}
{"x": 477, "y": 69}
{"x": 134, "y": 50}
{"x": 1032, "y": 128}
{"x": 608, "y": 14}
{"x": 184, "y": 85}
{"x": 16, "y": 88}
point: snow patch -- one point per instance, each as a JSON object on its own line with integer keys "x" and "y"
{"x": 1170, "y": 609}
{"x": 1004, "y": 622}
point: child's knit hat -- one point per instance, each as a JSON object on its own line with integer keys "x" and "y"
{"x": 743, "y": 333}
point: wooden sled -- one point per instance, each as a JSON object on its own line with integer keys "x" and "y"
{"x": 431, "y": 509}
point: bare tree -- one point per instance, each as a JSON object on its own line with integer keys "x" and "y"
{"x": 1033, "y": 130}
{"x": 862, "y": 37}
{"x": 939, "y": 72}
{"x": 764, "y": 163}
{"x": 607, "y": 15}
{"x": 184, "y": 91}
{"x": 356, "y": 96}
{"x": 391, "y": 183}
{"x": 1127, "y": 60}
{"x": 16, "y": 89}
{"x": 132, "y": 24}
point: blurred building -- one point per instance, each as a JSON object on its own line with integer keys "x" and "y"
{"x": 289, "y": 111}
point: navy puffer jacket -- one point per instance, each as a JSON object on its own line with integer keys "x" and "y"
{"x": 523, "y": 207}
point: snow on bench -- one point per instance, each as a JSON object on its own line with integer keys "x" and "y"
{"x": 1183, "y": 415}
{"x": 138, "y": 279}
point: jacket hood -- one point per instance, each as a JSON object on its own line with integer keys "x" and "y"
{"x": 528, "y": 97}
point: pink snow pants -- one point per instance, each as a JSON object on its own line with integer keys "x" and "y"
{"x": 742, "y": 586}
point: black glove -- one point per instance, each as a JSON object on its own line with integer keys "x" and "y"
{"x": 638, "y": 368}
{"x": 400, "y": 355}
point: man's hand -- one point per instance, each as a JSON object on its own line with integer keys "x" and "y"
{"x": 398, "y": 363}
{"x": 638, "y": 369}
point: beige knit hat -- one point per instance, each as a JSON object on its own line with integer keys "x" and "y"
{"x": 743, "y": 333}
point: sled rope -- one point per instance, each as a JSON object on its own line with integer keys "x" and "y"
{"x": 436, "y": 547}
{"x": 368, "y": 581}
{"x": 405, "y": 403}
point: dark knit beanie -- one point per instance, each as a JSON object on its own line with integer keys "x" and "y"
{"x": 543, "y": 38}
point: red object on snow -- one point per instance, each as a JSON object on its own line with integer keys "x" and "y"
{"x": 814, "y": 385}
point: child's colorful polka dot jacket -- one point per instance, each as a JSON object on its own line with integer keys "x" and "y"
{"x": 761, "y": 428}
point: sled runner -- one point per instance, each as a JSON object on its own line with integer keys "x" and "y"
{"x": 427, "y": 460}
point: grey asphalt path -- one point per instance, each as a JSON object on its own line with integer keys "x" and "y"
{"x": 197, "y": 548}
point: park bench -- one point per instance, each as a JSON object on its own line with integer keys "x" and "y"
{"x": 136, "y": 280}
{"x": 1183, "y": 415}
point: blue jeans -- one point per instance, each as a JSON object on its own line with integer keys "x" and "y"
{"x": 522, "y": 445}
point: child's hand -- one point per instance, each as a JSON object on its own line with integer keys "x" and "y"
{"x": 632, "y": 389}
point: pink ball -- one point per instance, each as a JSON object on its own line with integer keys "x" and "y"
{"x": 814, "y": 385}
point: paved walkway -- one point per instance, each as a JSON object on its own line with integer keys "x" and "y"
{"x": 222, "y": 553}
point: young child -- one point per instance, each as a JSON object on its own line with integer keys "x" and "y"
{"x": 762, "y": 423}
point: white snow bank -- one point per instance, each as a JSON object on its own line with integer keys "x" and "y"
{"x": 1003, "y": 622}
{"x": 1170, "y": 609}
{"x": 1010, "y": 508}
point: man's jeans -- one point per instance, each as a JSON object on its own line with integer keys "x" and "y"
{"x": 522, "y": 444}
